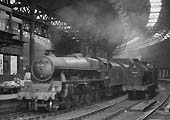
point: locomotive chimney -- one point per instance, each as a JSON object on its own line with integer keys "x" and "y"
{"x": 49, "y": 52}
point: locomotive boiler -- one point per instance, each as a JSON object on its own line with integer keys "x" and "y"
{"x": 68, "y": 81}
{"x": 141, "y": 79}
{"x": 49, "y": 66}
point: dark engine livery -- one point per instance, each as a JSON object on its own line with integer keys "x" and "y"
{"x": 47, "y": 67}
{"x": 141, "y": 79}
{"x": 67, "y": 81}
{"x": 74, "y": 79}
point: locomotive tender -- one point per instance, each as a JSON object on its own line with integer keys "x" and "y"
{"x": 71, "y": 80}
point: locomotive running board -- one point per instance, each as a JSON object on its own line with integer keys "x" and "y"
{"x": 83, "y": 81}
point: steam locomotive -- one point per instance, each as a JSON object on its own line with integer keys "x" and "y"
{"x": 141, "y": 79}
{"x": 70, "y": 80}
{"x": 74, "y": 79}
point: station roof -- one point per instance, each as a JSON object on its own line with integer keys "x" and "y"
{"x": 97, "y": 11}
{"x": 138, "y": 12}
{"x": 94, "y": 16}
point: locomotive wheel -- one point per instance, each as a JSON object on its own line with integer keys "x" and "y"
{"x": 151, "y": 92}
{"x": 68, "y": 102}
{"x": 97, "y": 92}
{"x": 75, "y": 99}
{"x": 90, "y": 94}
{"x": 146, "y": 96}
{"x": 130, "y": 95}
{"x": 85, "y": 99}
{"x": 141, "y": 95}
{"x": 97, "y": 96}
{"x": 90, "y": 97}
{"x": 94, "y": 94}
{"x": 81, "y": 99}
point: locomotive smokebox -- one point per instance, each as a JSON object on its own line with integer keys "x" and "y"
{"x": 43, "y": 68}
{"x": 49, "y": 66}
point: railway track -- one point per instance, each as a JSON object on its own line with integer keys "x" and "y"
{"x": 119, "y": 111}
{"x": 42, "y": 114}
{"x": 139, "y": 115}
{"x": 159, "y": 112}
{"x": 108, "y": 113}
{"x": 9, "y": 106}
{"x": 15, "y": 115}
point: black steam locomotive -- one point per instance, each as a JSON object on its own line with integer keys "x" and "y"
{"x": 71, "y": 80}
{"x": 74, "y": 79}
{"x": 141, "y": 79}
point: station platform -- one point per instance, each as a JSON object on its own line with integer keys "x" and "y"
{"x": 143, "y": 106}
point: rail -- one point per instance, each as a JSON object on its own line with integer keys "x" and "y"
{"x": 30, "y": 115}
{"x": 147, "y": 114}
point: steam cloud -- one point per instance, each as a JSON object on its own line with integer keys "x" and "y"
{"x": 138, "y": 13}
{"x": 96, "y": 18}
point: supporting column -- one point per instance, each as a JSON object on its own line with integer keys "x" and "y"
{"x": 32, "y": 25}
{"x": 10, "y": 22}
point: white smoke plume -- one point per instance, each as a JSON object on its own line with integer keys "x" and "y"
{"x": 97, "y": 18}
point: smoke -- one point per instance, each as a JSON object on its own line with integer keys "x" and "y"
{"x": 95, "y": 17}
{"x": 138, "y": 12}
{"x": 55, "y": 35}
{"x": 98, "y": 18}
